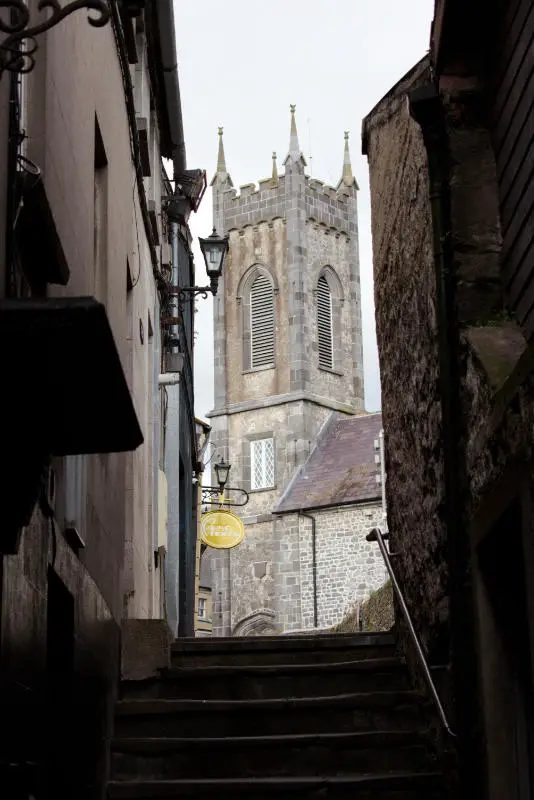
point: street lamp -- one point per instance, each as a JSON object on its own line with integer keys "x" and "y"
{"x": 214, "y": 250}
{"x": 222, "y": 470}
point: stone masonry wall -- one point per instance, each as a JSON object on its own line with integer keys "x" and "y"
{"x": 239, "y": 585}
{"x": 330, "y": 247}
{"x": 262, "y": 244}
{"x": 348, "y": 567}
{"x": 407, "y": 343}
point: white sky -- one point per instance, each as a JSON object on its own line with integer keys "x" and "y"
{"x": 242, "y": 62}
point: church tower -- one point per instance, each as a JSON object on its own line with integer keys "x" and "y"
{"x": 288, "y": 352}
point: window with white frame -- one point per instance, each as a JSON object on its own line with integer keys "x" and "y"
{"x": 202, "y": 608}
{"x": 262, "y": 464}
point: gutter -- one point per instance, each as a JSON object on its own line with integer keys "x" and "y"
{"x": 326, "y": 506}
{"x": 167, "y": 37}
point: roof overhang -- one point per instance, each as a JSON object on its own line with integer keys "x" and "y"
{"x": 63, "y": 393}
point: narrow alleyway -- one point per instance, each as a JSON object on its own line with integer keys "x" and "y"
{"x": 291, "y": 717}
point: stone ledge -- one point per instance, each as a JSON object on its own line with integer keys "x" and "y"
{"x": 284, "y": 399}
{"x": 498, "y": 349}
{"x": 145, "y": 648}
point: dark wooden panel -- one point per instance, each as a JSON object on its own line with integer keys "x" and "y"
{"x": 512, "y": 22}
{"x": 528, "y": 325}
{"x": 520, "y": 220}
{"x": 514, "y": 157}
{"x": 516, "y": 51}
{"x": 521, "y": 282}
{"x": 518, "y": 189}
{"x": 518, "y": 103}
{"x": 526, "y": 305}
{"x": 513, "y": 141}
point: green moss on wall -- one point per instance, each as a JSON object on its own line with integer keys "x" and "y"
{"x": 377, "y": 611}
{"x": 376, "y": 614}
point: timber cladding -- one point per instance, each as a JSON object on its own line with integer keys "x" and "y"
{"x": 513, "y": 141}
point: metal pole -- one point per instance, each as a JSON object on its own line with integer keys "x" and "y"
{"x": 376, "y": 536}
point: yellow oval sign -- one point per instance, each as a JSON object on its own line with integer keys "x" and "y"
{"x": 221, "y": 529}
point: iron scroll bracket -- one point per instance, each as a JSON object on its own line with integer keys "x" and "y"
{"x": 184, "y": 293}
{"x": 18, "y": 48}
{"x": 211, "y": 496}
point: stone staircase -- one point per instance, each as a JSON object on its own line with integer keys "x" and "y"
{"x": 287, "y": 717}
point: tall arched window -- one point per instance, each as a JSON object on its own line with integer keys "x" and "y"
{"x": 261, "y": 322}
{"x": 325, "y": 339}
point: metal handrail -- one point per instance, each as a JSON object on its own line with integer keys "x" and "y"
{"x": 376, "y": 536}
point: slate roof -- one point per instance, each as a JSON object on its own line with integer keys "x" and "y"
{"x": 341, "y": 469}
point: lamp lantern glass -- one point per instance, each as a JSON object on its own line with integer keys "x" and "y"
{"x": 222, "y": 470}
{"x": 214, "y": 250}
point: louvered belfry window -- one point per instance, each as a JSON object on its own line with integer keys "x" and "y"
{"x": 261, "y": 322}
{"x": 324, "y": 324}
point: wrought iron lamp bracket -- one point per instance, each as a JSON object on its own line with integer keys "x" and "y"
{"x": 211, "y": 496}
{"x": 184, "y": 293}
{"x": 18, "y": 48}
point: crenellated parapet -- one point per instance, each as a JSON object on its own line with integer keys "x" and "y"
{"x": 333, "y": 207}
{"x": 323, "y": 204}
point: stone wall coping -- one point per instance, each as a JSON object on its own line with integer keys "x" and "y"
{"x": 283, "y": 399}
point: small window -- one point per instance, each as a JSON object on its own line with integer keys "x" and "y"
{"x": 262, "y": 464}
{"x": 261, "y": 322}
{"x": 324, "y": 324}
{"x": 202, "y": 608}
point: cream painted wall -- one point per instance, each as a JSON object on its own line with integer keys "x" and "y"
{"x": 78, "y": 80}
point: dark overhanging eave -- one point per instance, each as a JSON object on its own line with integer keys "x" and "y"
{"x": 64, "y": 388}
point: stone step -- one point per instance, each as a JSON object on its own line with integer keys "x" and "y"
{"x": 395, "y": 710}
{"x": 239, "y": 682}
{"x": 396, "y": 786}
{"x": 281, "y": 649}
{"x": 262, "y": 756}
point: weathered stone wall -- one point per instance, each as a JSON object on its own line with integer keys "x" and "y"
{"x": 348, "y": 567}
{"x": 262, "y": 244}
{"x": 338, "y": 250}
{"x": 406, "y": 327}
{"x": 378, "y": 612}
{"x": 243, "y": 578}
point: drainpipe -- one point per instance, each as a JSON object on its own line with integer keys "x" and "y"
{"x": 314, "y": 564}
{"x": 172, "y": 464}
{"x": 426, "y": 109}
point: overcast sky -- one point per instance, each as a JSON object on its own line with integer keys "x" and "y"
{"x": 242, "y": 62}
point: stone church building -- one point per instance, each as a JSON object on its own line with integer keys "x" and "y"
{"x": 288, "y": 379}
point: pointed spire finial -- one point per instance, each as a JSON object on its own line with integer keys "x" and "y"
{"x": 274, "y": 179}
{"x": 294, "y": 155}
{"x": 294, "y": 148}
{"x": 221, "y": 163}
{"x": 221, "y": 177}
{"x": 347, "y": 177}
